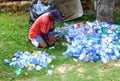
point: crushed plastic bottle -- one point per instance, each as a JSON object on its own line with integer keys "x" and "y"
{"x": 49, "y": 73}
{"x": 18, "y": 71}
{"x": 6, "y": 61}
{"x": 38, "y": 67}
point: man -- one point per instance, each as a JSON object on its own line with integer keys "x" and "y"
{"x": 39, "y": 31}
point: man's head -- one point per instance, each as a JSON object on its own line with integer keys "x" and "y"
{"x": 56, "y": 15}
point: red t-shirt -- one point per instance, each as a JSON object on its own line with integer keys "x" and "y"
{"x": 42, "y": 25}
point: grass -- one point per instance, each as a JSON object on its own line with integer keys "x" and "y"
{"x": 13, "y": 37}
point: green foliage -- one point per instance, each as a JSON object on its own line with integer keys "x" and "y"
{"x": 14, "y": 37}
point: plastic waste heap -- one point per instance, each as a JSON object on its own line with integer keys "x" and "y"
{"x": 32, "y": 61}
{"x": 92, "y": 41}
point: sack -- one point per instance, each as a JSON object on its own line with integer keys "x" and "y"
{"x": 37, "y": 8}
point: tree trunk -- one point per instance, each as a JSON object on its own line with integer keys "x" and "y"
{"x": 105, "y": 10}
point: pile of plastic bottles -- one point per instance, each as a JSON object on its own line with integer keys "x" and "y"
{"x": 93, "y": 41}
{"x": 60, "y": 32}
{"x": 32, "y": 61}
{"x": 38, "y": 8}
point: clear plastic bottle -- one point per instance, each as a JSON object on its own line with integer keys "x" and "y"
{"x": 104, "y": 60}
{"x": 82, "y": 55}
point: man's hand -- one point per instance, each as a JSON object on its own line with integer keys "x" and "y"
{"x": 50, "y": 39}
